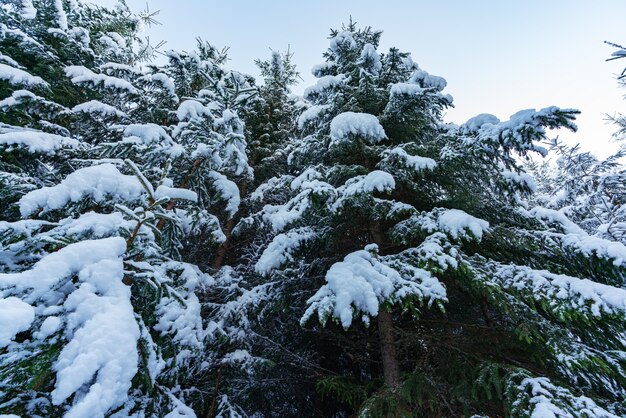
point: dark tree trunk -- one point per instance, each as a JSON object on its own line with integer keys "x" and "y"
{"x": 391, "y": 369}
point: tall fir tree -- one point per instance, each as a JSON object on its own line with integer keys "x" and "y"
{"x": 456, "y": 297}
{"x": 100, "y": 313}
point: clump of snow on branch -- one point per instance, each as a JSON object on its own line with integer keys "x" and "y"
{"x": 100, "y": 182}
{"x": 362, "y": 125}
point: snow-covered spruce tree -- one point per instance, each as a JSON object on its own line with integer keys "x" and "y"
{"x": 98, "y": 316}
{"x": 416, "y": 238}
{"x": 234, "y": 304}
{"x": 589, "y": 190}
{"x": 270, "y": 116}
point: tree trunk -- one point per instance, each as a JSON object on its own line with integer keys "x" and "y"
{"x": 391, "y": 369}
{"x": 218, "y": 261}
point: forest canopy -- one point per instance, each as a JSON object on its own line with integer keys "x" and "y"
{"x": 180, "y": 239}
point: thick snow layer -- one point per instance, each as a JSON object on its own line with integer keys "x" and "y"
{"x": 100, "y": 183}
{"x": 166, "y": 83}
{"x": 181, "y": 320}
{"x": 456, "y": 223}
{"x": 48, "y": 327}
{"x": 362, "y": 281}
{"x": 28, "y": 11}
{"x": 17, "y": 97}
{"x": 39, "y": 281}
{"x": 175, "y": 193}
{"x": 558, "y": 217}
{"x": 590, "y": 245}
{"x": 548, "y": 401}
{"x": 281, "y": 249}
{"x": 474, "y": 124}
{"x": 409, "y": 89}
{"x": 415, "y": 162}
{"x": 96, "y": 107}
{"x": 94, "y": 225}
{"x": 376, "y": 181}
{"x": 323, "y": 84}
{"x": 343, "y": 39}
{"x": 61, "y": 17}
{"x": 37, "y": 141}
{"x": 522, "y": 179}
{"x": 180, "y": 409}
{"x": 178, "y": 312}
{"x": 362, "y": 125}
{"x": 311, "y": 114}
{"x": 20, "y": 77}
{"x": 428, "y": 80}
{"x": 154, "y": 138}
{"x": 81, "y": 75}
{"x": 520, "y": 132}
{"x": 561, "y": 291}
{"x": 319, "y": 70}
{"x": 370, "y": 60}
{"x": 435, "y": 249}
{"x": 279, "y": 216}
{"x": 192, "y": 110}
{"x": 228, "y": 190}
{"x": 101, "y": 358}
{"x": 15, "y": 316}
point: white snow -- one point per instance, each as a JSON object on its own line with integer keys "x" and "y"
{"x": 457, "y": 222}
{"x": 323, "y": 84}
{"x": 375, "y": 181}
{"x": 94, "y": 106}
{"x": 192, "y": 110}
{"x": 281, "y": 249}
{"x": 101, "y": 183}
{"x": 590, "y": 245}
{"x": 61, "y": 17}
{"x": 474, "y": 124}
{"x": 48, "y": 327}
{"x": 544, "y": 397}
{"x": 166, "y": 83}
{"x": 523, "y": 179}
{"x": 561, "y": 291}
{"x": 519, "y": 133}
{"x": 370, "y": 59}
{"x": 175, "y": 193}
{"x": 415, "y": 162}
{"x": 319, "y": 69}
{"x": 56, "y": 266}
{"x": 557, "y": 217}
{"x": 343, "y": 39}
{"x": 428, "y": 81}
{"x": 362, "y": 281}
{"x": 154, "y": 138}
{"x": 15, "y": 317}
{"x": 311, "y": 114}
{"x": 94, "y": 225}
{"x": 228, "y": 191}
{"x": 362, "y": 125}
{"x": 16, "y": 98}
{"x": 28, "y": 11}
{"x": 409, "y": 89}
{"x": 82, "y": 75}
{"x": 279, "y": 216}
{"x": 20, "y": 77}
{"x": 101, "y": 358}
{"x": 37, "y": 141}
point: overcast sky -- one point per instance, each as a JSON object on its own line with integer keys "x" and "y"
{"x": 497, "y": 56}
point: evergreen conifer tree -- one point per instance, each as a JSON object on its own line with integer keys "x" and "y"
{"x": 451, "y": 289}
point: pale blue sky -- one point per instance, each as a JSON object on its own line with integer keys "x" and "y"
{"x": 497, "y": 56}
